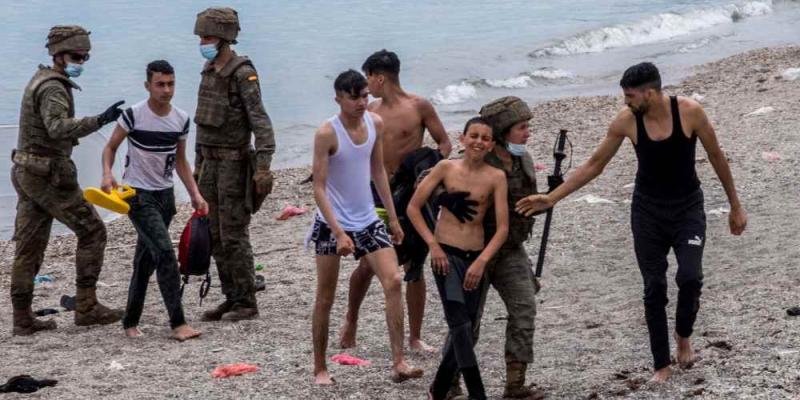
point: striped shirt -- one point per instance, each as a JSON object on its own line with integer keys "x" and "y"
{"x": 152, "y": 144}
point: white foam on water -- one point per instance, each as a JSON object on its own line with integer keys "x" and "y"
{"x": 518, "y": 82}
{"x": 455, "y": 94}
{"x": 655, "y": 29}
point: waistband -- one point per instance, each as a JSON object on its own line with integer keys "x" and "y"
{"x": 224, "y": 153}
{"x": 695, "y": 196}
{"x": 467, "y": 255}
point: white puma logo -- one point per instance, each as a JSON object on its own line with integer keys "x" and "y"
{"x": 697, "y": 241}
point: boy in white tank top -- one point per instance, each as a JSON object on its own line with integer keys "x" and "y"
{"x": 348, "y": 153}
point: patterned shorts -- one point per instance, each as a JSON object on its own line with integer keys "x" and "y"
{"x": 368, "y": 240}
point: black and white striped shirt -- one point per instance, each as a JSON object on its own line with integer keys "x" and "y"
{"x": 152, "y": 143}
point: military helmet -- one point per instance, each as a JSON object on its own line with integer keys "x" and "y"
{"x": 221, "y": 22}
{"x": 504, "y": 112}
{"x": 67, "y": 38}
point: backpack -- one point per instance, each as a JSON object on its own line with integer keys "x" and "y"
{"x": 194, "y": 252}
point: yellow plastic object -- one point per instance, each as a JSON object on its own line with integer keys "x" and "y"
{"x": 114, "y": 201}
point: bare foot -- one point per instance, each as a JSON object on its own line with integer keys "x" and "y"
{"x": 323, "y": 378}
{"x": 419, "y": 345}
{"x": 403, "y": 372}
{"x": 686, "y": 355}
{"x": 347, "y": 337}
{"x": 661, "y": 375}
{"x": 184, "y": 333}
{"x": 133, "y": 332}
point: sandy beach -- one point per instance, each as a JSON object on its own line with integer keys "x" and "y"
{"x": 591, "y": 337}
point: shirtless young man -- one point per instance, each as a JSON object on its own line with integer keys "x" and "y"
{"x": 667, "y": 207}
{"x": 458, "y": 255}
{"x": 348, "y": 153}
{"x": 405, "y": 117}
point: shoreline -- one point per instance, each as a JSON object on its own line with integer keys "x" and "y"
{"x": 591, "y": 337}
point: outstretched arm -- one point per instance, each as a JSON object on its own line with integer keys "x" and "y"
{"x": 705, "y": 132}
{"x": 584, "y": 174}
{"x": 378, "y": 172}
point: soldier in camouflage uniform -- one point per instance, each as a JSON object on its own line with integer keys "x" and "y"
{"x": 46, "y": 182}
{"x": 233, "y": 178}
{"x": 510, "y": 271}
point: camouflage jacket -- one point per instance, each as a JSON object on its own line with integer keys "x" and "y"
{"x": 47, "y": 123}
{"x": 229, "y": 107}
{"x": 521, "y": 183}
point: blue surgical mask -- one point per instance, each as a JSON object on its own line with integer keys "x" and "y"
{"x": 73, "y": 70}
{"x": 209, "y": 51}
{"x": 516, "y": 149}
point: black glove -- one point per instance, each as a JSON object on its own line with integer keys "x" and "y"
{"x": 553, "y": 182}
{"x": 458, "y": 204}
{"x": 110, "y": 114}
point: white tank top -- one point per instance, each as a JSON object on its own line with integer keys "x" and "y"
{"x": 349, "y": 175}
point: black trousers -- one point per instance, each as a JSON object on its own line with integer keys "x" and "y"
{"x": 658, "y": 226}
{"x": 151, "y": 213}
{"x": 461, "y": 312}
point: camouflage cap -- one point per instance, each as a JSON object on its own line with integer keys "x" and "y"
{"x": 504, "y": 112}
{"x": 221, "y": 22}
{"x": 67, "y": 37}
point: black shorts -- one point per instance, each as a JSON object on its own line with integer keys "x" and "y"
{"x": 368, "y": 240}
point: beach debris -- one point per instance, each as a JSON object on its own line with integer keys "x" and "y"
{"x": 115, "y": 365}
{"x": 291, "y": 211}
{"x": 45, "y": 312}
{"x": 592, "y": 199}
{"x": 720, "y": 344}
{"x": 38, "y": 279}
{"x": 68, "y": 302}
{"x": 347, "y": 359}
{"x": 235, "y": 369}
{"x": 259, "y": 267}
{"x": 760, "y": 111}
{"x": 629, "y": 186}
{"x": 261, "y": 283}
{"x": 791, "y": 74}
{"x": 539, "y": 166}
{"x": 719, "y": 211}
{"x": 217, "y": 350}
{"x": 793, "y": 312}
{"x": 697, "y": 97}
{"x": 25, "y": 384}
{"x": 771, "y": 156}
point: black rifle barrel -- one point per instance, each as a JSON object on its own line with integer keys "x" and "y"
{"x": 559, "y": 155}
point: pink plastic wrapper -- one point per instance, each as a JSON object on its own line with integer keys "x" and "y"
{"x": 291, "y": 211}
{"x": 224, "y": 371}
{"x": 347, "y": 359}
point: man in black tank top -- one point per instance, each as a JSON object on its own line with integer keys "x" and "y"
{"x": 667, "y": 207}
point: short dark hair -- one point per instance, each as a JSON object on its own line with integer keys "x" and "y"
{"x": 642, "y": 75}
{"x": 160, "y": 66}
{"x": 350, "y": 82}
{"x": 477, "y": 121}
{"x": 382, "y": 62}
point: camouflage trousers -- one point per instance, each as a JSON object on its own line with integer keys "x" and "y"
{"x": 223, "y": 185}
{"x": 510, "y": 273}
{"x": 39, "y": 200}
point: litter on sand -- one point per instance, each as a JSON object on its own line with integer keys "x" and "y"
{"x": 771, "y": 156}
{"x": 719, "y": 211}
{"x": 291, "y": 211}
{"x": 592, "y": 199}
{"x": 760, "y": 111}
{"x": 227, "y": 370}
{"x": 347, "y": 359}
{"x": 791, "y": 74}
{"x": 43, "y": 278}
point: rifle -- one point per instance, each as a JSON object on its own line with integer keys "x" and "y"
{"x": 553, "y": 181}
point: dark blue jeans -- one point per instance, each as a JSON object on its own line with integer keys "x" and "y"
{"x": 151, "y": 213}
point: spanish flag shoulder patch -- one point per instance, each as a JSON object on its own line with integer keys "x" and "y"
{"x": 252, "y": 78}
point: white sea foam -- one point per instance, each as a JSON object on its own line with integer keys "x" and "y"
{"x": 655, "y": 28}
{"x": 528, "y": 79}
{"x": 517, "y": 82}
{"x": 552, "y": 73}
{"x": 455, "y": 94}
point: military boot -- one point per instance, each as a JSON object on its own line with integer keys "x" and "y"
{"x": 216, "y": 313}
{"x": 89, "y": 311}
{"x": 25, "y": 323}
{"x": 238, "y": 313}
{"x": 515, "y": 383}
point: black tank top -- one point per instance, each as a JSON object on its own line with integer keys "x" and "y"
{"x": 666, "y": 167}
